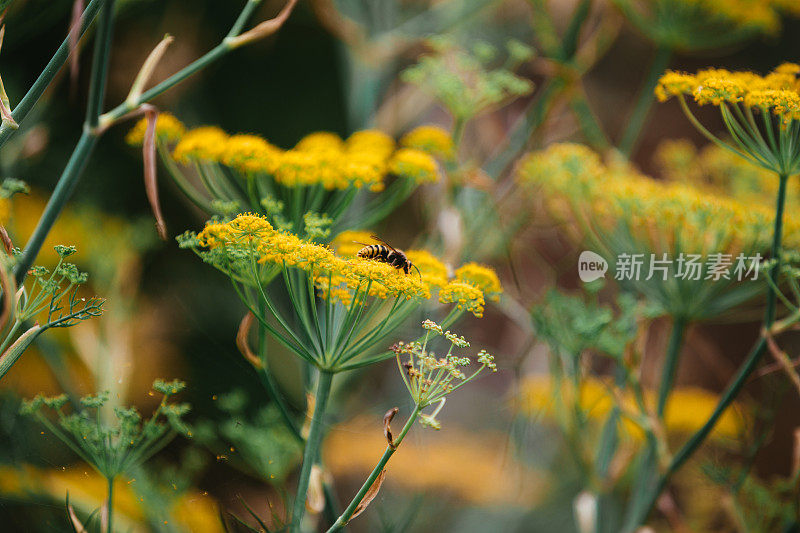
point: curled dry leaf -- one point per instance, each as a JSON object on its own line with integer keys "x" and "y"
{"x": 264, "y": 29}
{"x": 783, "y": 359}
{"x": 243, "y": 344}
{"x": 147, "y": 69}
{"x": 149, "y": 156}
{"x": 7, "y": 244}
{"x": 387, "y": 431}
{"x": 9, "y": 287}
{"x": 5, "y": 105}
{"x": 73, "y": 518}
{"x": 370, "y": 495}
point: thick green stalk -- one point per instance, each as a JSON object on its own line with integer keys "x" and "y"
{"x": 312, "y": 447}
{"x": 769, "y": 314}
{"x": 746, "y": 369}
{"x": 48, "y": 74}
{"x": 670, "y": 364}
{"x": 645, "y": 99}
{"x": 109, "y": 526}
{"x": 351, "y": 509}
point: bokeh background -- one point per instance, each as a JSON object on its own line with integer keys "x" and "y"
{"x": 169, "y": 315}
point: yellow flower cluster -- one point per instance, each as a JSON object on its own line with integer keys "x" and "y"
{"x": 686, "y": 411}
{"x": 333, "y": 169}
{"x": 363, "y": 160}
{"x": 438, "y": 465}
{"x": 482, "y": 277}
{"x": 434, "y": 273}
{"x": 192, "y": 511}
{"x": 338, "y": 277}
{"x": 777, "y": 91}
{"x": 370, "y": 141}
{"x": 658, "y": 214}
{"x": 465, "y": 295}
{"x": 250, "y": 153}
{"x": 168, "y": 129}
{"x": 206, "y": 143}
{"x": 432, "y": 139}
{"x": 432, "y": 270}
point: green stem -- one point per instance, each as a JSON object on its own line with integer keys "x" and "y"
{"x": 351, "y": 509}
{"x": 109, "y": 527}
{"x": 102, "y": 52}
{"x": 269, "y": 383}
{"x": 312, "y": 447}
{"x": 64, "y": 188}
{"x": 48, "y": 74}
{"x": 775, "y": 252}
{"x": 587, "y": 120}
{"x": 644, "y": 101}
{"x": 212, "y": 55}
{"x": 670, "y": 364}
{"x": 733, "y": 389}
{"x": 83, "y": 150}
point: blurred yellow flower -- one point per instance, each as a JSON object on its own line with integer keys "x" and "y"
{"x": 372, "y": 141}
{"x": 660, "y": 216}
{"x": 432, "y": 270}
{"x": 432, "y": 139}
{"x": 447, "y": 462}
{"x": 249, "y": 154}
{"x": 193, "y": 511}
{"x": 723, "y": 173}
{"x": 204, "y": 143}
{"x": 320, "y": 141}
{"x": 168, "y": 129}
{"x": 687, "y": 410}
{"x": 482, "y": 277}
{"x": 349, "y": 242}
{"x": 413, "y": 164}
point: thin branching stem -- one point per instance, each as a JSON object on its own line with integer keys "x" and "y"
{"x": 342, "y": 521}
{"x": 48, "y": 74}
